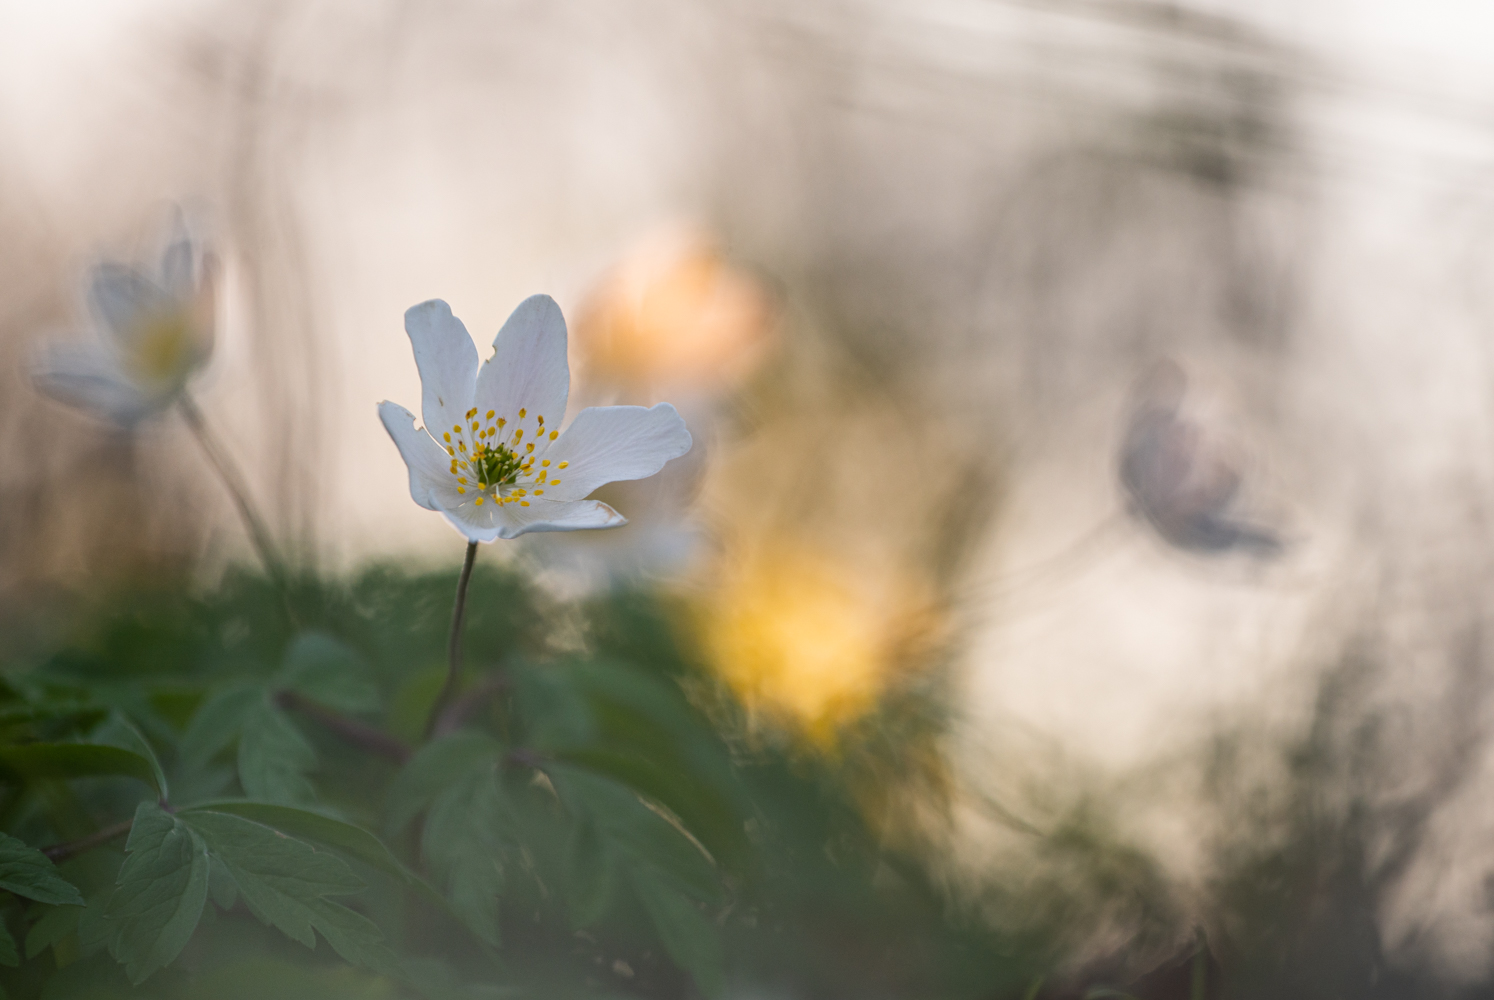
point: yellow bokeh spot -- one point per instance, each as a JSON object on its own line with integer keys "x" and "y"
{"x": 795, "y": 638}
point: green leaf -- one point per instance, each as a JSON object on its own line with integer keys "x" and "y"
{"x": 466, "y": 842}
{"x": 34, "y": 761}
{"x": 668, "y": 871}
{"x": 588, "y": 874}
{"x": 28, "y": 872}
{"x": 285, "y": 883}
{"x": 468, "y": 831}
{"x": 274, "y": 757}
{"x": 638, "y": 728}
{"x": 223, "y": 890}
{"x": 218, "y": 722}
{"x": 329, "y": 672}
{"x": 9, "y": 954}
{"x": 160, "y": 892}
{"x": 308, "y": 825}
{"x": 639, "y": 834}
{"x": 117, "y": 732}
{"x": 691, "y": 940}
{"x": 433, "y": 769}
{"x": 52, "y": 926}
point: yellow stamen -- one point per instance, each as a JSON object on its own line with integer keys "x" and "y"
{"x": 540, "y": 418}
{"x": 529, "y": 447}
{"x": 501, "y": 421}
{"x": 523, "y": 503}
{"x": 478, "y": 501}
{"x": 562, "y": 465}
{"x": 490, "y": 414}
{"x": 462, "y": 480}
{"x": 554, "y": 435}
{"x": 545, "y": 463}
{"x": 451, "y": 451}
{"x": 461, "y": 489}
{"x": 522, "y": 411}
{"x": 462, "y": 445}
{"x": 447, "y": 437}
{"x": 539, "y": 493}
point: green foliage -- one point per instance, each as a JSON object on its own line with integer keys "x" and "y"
{"x": 28, "y": 872}
{"x": 274, "y": 758}
{"x": 286, "y": 883}
{"x": 160, "y": 892}
{"x": 585, "y": 831}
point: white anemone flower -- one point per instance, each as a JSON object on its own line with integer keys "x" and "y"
{"x": 491, "y": 456}
{"x": 156, "y": 330}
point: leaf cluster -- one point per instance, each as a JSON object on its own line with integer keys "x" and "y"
{"x": 199, "y": 794}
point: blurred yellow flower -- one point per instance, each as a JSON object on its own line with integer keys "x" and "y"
{"x": 675, "y": 313}
{"x": 800, "y": 638}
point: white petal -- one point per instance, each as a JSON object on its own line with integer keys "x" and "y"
{"x": 528, "y": 369}
{"x": 605, "y": 444}
{"x": 177, "y": 269}
{"x": 121, "y": 297}
{"x": 431, "y": 483}
{"x": 88, "y": 376}
{"x": 477, "y": 522}
{"x": 447, "y": 361}
{"x": 546, "y": 515}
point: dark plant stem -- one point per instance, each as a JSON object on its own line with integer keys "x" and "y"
{"x": 453, "y": 644}
{"x": 233, "y": 481}
{"x": 350, "y": 730}
{"x": 61, "y": 852}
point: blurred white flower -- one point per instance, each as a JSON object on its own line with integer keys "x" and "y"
{"x": 490, "y": 456}
{"x": 1183, "y": 476}
{"x": 156, "y": 330}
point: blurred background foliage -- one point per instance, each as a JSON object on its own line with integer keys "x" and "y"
{"x": 904, "y": 682}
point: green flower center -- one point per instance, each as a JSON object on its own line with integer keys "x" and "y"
{"x": 495, "y": 464}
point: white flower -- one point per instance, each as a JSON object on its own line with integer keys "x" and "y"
{"x": 155, "y": 331}
{"x": 491, "y": 456}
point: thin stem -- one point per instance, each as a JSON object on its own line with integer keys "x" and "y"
{"x": 237, "y": 488}
{"x": 359, "y": 734}
{"x": 453, "y": 643}
{"x": 61, "y": 852}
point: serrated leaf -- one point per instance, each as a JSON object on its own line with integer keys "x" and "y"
{"x": 28, "y": 872}
{"x": 464, "y": 844}
{"x": 308, "y": 825}
{"x": 588, "y": 874}
{"x": 159, "y": 894}
{"x": 691, "y": 940}
{"x": 116, "y": 731}
{"x": 433, "y": 769}
{"x": 274, "y": 757}
{"x": 78, "y": 760}
{"x": 52, "y": 926}
{"x": 217, "y": 723}
{"x": 329, "y": 672}
{"x": 285, "y": 883}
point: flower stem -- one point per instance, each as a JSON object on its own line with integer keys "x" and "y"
{"x": 453, "y": 643}
{"x": 233, "y": 481}
{"x": 61, "y": 852}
